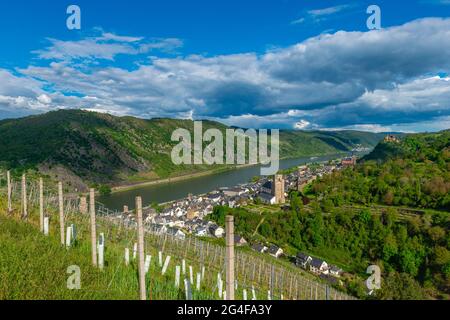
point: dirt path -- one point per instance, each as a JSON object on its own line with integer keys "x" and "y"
{"x": 259, "y": 224}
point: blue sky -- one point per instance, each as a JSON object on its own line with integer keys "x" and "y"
{"x": 275, "y": 64}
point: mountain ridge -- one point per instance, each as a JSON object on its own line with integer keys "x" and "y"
{"x": 86, "y": 147}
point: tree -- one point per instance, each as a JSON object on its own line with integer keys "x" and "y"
{"x": 327, "y": 205}
{"x": 388, "y": 198}
{"x": 219, "y": 214}
{"x": 408, "y": 262}
{"x": 156, "y": 206}
{"x": 296, "y": 203}
{"x": 105, "y": 190}
{"x": 436, "y": 234}
{"x": 400, "y": 286}
{"x": 365, "y": 216}
{"x": 441, "y": 256}
{"x": 390, "y": 247}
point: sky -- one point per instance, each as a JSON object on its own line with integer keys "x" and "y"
{"x": 304, "y": 64}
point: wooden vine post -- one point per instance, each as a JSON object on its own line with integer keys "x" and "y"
{"x": 61, "y": 211}
{"x": 140, "y": 226}
{"x": 229, "y": 257}
{"x": 41, "y": 204}
{"x": 8, "y": 178}
{"x": 24, "y": 197}
{"x": 93, "y": 227}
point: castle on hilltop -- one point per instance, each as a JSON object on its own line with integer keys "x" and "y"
{"x": 391, "y": 138}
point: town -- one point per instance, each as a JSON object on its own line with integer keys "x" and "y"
{"x": 188, "y": 216}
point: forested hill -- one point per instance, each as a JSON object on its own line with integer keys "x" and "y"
{"x": 413, "y": 171}
{"x": 419, "y": 147}
{"x": 87, "y": 147}
{"x": 392, "y": 209}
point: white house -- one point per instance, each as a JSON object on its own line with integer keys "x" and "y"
{"x": 303, "y": 260}
{"x": 179, "y": 212}
{"x": 267, "y": 198}
{"x": 176, "y": 233}
{"x": 214, "y": 197}
{"x": 239, "y": 241}
{"x": 259, "y": 248}
{"x": 318, "y": 266}
{"x": 335, "y": 271}
{"x": 179, "y": 224}
{"x": 160, "y": 229}
{"x": 275, "y": 251}
{"x": 201, "y": 232}
{"x": 216, "y": 231}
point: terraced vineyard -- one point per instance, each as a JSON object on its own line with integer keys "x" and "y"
{"x": 34, "y": 266}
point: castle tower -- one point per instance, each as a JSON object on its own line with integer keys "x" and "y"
{"x": 278, "y": 189}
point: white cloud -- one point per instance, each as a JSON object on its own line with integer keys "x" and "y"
{"x": 318, "y": 15}
{"x": 435, "y": 124}
{"x": 114, "y": 37}
{"x": 362, "y": 127}
{"x": 45, "y": 99}
{"x": 327, "y": 11}
{"x": 302, "y": 124}
{"x": 298, "y": 21}
{"x": 366, "y": 79}
{"x": 89, "y": 48}
{"x": 104, "y": 46}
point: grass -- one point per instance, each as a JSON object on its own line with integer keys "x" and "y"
{"x": 34, "y": 267}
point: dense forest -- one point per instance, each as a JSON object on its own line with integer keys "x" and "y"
{"x": 342, "y": 225}
{"x": 412, "y": 173}
{"x": 413, "y": 253}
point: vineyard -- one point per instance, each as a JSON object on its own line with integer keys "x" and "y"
{"x": 59, "y": 228}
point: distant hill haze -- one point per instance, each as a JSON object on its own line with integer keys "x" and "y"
{"x": 86, "y": 147}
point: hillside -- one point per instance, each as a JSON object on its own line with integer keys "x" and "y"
{"x": 413, "y": 172}
{"x": 419, "y": 147}
{"x": 390, "y": 210}
{"x": 86, "y": 147}
{"x": 34, "y": 266}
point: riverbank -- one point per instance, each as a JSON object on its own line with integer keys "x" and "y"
{"x": 133, "y": 186}
{"x": 167, "y": 190}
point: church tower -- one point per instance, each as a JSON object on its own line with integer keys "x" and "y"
{"x": 278, "y": 189}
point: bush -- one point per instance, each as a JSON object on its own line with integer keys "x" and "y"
{"x": 105, "y": 190}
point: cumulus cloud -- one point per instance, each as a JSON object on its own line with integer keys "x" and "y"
{"x": 369, "y": 60}
{"x": 45, "y": 99}
{"x": 302, "y": 124}
{"x": 370, "y": 80}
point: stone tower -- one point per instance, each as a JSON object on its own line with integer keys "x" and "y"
{"x": 278, "y": 189}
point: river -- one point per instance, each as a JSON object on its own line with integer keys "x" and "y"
{"x": 161, "y": 193}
